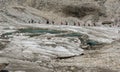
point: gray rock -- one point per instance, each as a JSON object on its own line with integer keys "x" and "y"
{"x": 3, "y": 63}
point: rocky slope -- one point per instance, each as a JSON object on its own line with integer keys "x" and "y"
{"x": 70, "y": 10}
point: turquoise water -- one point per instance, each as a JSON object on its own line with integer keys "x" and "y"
{"x": 35, "y": 31}
{"x": 40, "y": 31}
{"x": 9, "y": 33}
{"x": 92, "y": 43}
{"x": 71, "y": 35}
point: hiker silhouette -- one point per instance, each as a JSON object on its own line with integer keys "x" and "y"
{"x": 74, "y": 23}
{"x": 66, "y": 23}
{"x": 53, "y": 22}
{"x": 78, "y": 23}
{"x": 47, "y": 22}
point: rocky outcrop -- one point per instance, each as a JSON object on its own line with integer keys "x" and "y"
{"x": 3, "y": 63}
{"x": 3, "y": 44}
{"x": 77, "y": 10}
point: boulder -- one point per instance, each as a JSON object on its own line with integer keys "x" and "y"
{"x": 3, "y": 63}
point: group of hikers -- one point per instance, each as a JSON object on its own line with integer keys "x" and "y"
{"x": 74, "y": 23}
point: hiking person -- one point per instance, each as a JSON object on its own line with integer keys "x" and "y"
{"x": 32, "y": 21}
{"x": 78, "y": 23}
{"x": 66, "y": 23}
{"x": 88, "y": 24}
{"x": 94, "y": 24}
{"x": 53, "y": 22}
{"x": 61, "y": 23}
{"x": 74, "y": 23}
{"x": 47, "y": 22}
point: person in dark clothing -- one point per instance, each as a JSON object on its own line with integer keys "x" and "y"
{"x": 78, "y": 23}
{"x": 118, "y": 25}
{"x": 110, "y": 26}
{"x": 53, "y": 22}
{"x": 94, "y": 24}
{"x": 74, "y": 23}
{"x": 83, "y": 24}
{"x": 66, "y": 23}
{"x": 32, "y": 21}
{"x": 47, "y": 22}
{"x": 88, "y": 24}
{"x": 61, "y": 23}
{"x": 28, "y": 21}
